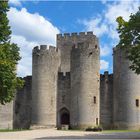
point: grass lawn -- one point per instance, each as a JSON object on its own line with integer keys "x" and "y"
{"x": 13, "y": 130}
{"x": 104, "y": 131}
{"x": 109, "y": 131}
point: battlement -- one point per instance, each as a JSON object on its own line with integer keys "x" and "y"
{"x": 73, "y": 35}
{"x": 28, "y": 77}
{"x": 27, "y": 80}
{"x": 63, "y": 75}
{"x": 117, "y": 48}
{"x": 85, "y": 45}
{"x": 106, "y": 75}
{"x": 44, "y": 48}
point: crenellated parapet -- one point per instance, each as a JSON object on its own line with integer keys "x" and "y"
{"x": 63, "y": 75}
{"x": 85, "y": 41}
{"x": 27, "y": 78}
{"x": 68, "y": 41}
{"x": 44, "y": 49}
{"x": 44, "y": 54}
{"x": 106, "y": 76}
{"x": 85, "y": 46}
{"x": 75, "y": 35}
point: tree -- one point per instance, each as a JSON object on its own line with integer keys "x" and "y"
{"x": 9, "y": 57}
{"x": 129, "y": 33}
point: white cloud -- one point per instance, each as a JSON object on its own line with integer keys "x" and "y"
{"x": 33, "y": 27}
{"x": 25, "y": 64}
{"x": 95, "y": 26}
{"x": 105, "y": 50}
{"x": 15, "y": 2}
{"x": 29, "y": 30}
{"x": 105, "y": 23}
{"x": 119, "y": 8}
{"x": 104, "y": 65}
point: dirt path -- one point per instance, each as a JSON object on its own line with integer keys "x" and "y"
{"x": 55, "y": 134}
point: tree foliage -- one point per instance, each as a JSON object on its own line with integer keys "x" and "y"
{"x": 9, "y": 57}
{"x": 129, "y": 33}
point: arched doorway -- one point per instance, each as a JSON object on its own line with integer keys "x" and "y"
{"x": 64, "y": 117}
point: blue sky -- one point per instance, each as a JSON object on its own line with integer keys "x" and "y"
{"x": 37, "y": 22}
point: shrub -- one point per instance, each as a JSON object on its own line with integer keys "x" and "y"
{"x": 94, "y": 129}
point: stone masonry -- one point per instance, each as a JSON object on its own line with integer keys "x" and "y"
{"x": 67, "y": 89}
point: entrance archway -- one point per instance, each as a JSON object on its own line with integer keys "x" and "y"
{"x": 64, "y": 117}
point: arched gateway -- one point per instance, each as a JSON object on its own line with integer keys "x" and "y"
{"x": 64, "y": 117}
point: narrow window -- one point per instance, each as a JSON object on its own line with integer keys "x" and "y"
{"x": 137, "y": 102}
{"x": 96, "y": 46}
{"x": 96, "y": 121}
{"x": 94, "y": 100}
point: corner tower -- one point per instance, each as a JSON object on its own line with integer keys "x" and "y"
{"x": 126, "y": 92}
{"x": 44, "y": 85}
{"x": 85, "y": 81}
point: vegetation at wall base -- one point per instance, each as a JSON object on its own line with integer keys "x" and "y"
{"x": 9, "y": 57}
{"x": 94, "y": 129}
{"x": 13, "y": 130}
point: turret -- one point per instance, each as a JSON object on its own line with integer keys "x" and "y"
{"x": 44, "y": 85}
{"x": 85, "y": 81}
{"x": 126, "y": 92}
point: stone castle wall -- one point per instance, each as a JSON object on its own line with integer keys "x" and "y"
{"x": 44, "y": 85}
{"x": 66, "y": 82}
{"x": 6, "y": 116}
{"x": 65, "y": 43}
{"x": 63, "y": 95}
{"x": 22, "y": 105}
{"x": 85, "y": 80}
{"x": 126, "y": 91}
{"x": 106, "y": 100}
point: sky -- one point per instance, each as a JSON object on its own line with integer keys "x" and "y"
{"x": 37, "y": 22}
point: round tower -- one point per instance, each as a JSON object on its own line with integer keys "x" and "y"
{"x": 85, "y": 81}
{"x": 44, "y": 85}
{"x": 126, "y": 93}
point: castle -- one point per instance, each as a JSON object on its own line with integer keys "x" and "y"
{"x": 66, "y": 88}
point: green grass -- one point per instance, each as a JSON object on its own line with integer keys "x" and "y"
{"x": 104, "y": 131}
{"x": 12, "y": 130}
{"x": 109, "y": 131}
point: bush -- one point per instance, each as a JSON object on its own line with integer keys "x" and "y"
{"x": 94, "y": 129}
